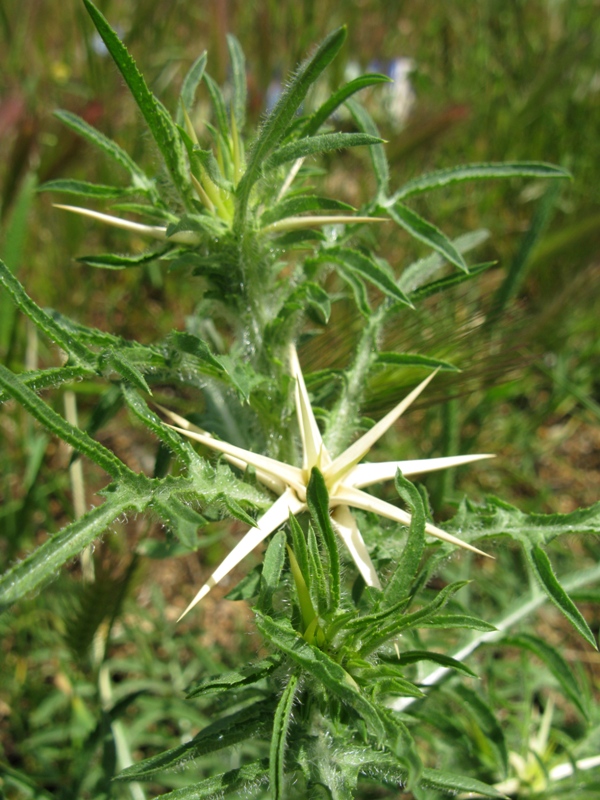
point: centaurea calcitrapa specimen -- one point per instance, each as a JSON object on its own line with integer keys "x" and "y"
{"x": 273, "y": 256}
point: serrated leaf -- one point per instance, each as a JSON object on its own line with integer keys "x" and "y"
{"x": 426, "y": 232}
{"x": 77, "y": 438}
{"x": 282, "y": 114}
{"x": 138, "y": 406}
{"x": 48, "y": 378}
{"x": 424, "y": 269}
{"x": 469, "y": 172}
{"x": 240, "y": 726}
{"x": 238, "y": 74}
{"x": 364, "y": 266}
{"x": 365, "y": 123}
{"x": 119, "y": 362}
{"x": 281, "y": 724}
{"x": 549, "y": 582}
{"x": 414, "y": 360}
{"x": 139, "y": 178}
{"x": 216, "y": 684}
{"x": 555, "y": 663}
{"x": 77, "y": 351}
{"x": 241, "y": 780}
{"x": 162, "y": 127}
{"x": 318, "y": 144}
{"x": 359, "y": 290}
{"x": 190, "y": 85}
{"x": 339, "y": 97}
{"x": 298, "y": 205}
{"x": 43, "y": 564}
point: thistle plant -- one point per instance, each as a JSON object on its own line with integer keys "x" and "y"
{"x": 343, "y": 605}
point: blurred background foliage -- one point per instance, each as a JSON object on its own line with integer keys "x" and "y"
{"x": 485, "y": 81}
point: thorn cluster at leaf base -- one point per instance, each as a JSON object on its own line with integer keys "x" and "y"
{"x": 344, "y": 477}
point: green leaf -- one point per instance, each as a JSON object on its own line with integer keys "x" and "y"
{"x": 365, "y": 123}
{"x": 545, "y": 574}
{"x": 399, "y": 584}
{"x": 317, "y": 581}
{"x": 86, "y": 189}
{"x": 180, "y": 447}
{"x": 218, "y": 103}
{"x": 421, "y": 271}
{"x": 458, "y": 621}
{"x": 114, "y": 261}
{"x": 273, "y": 562}
{"x": 48, "y": 378}
{"x": 281, "y": 724}
{"x": 238, "y": 74}
{"x": 317, "y": 499}
{"x": 318, "y": 144}
{"x": 364, "y": 266}
{"x": 162, "y": 127}
{"x": 42, "y": 565}
{"x": 426, "y": 232}
{"x": 243, "y": 781}
{"x": 555, "y": 663}
{"x": 79, "y": 440}
{"x": 339, "y": 97}
{"x": 282, "y": 114}
{"x": 406, "y": 621}
{"x": 414, "y": 360}
{"x": 120, "y": 363}
{"x": 485, "y": 719}
{"x": 453, "y": 784}
{"x": 252, "y": 721}
{"x": 139, "y": 178}
{"x": 449, "y": 282}
{"x": 227, "y": 681}
{"x": 190, "y": 85}
{"x": 416, "y": 656}
{"x": 77, "y": 351}
{"x": 359, "y": 290}
{"x": 182, "y": 520}
{"x": 293, "y": 206}
{"x": 299, "y": 548}
{"x": 469, "y": 172}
